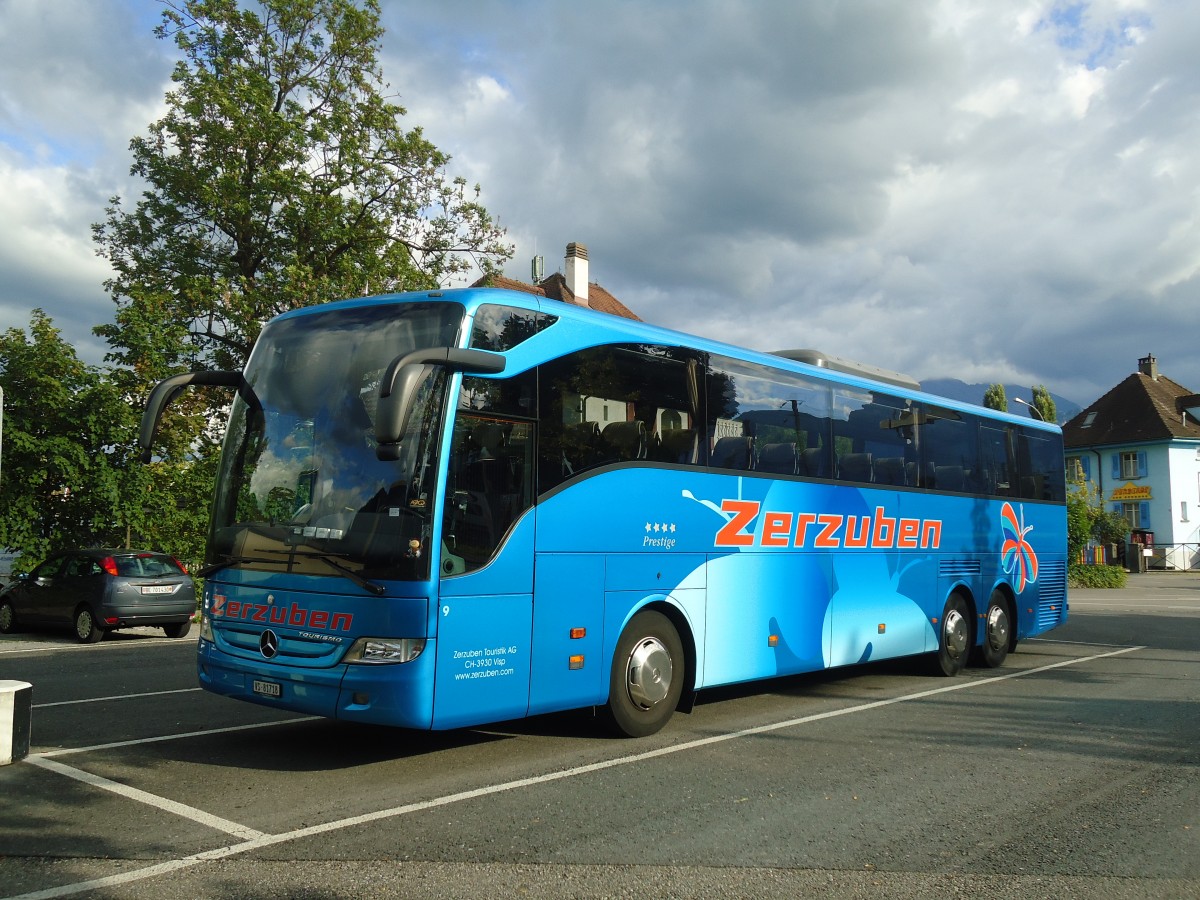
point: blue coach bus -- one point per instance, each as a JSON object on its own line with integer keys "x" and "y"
{"x": 457, "y": 507}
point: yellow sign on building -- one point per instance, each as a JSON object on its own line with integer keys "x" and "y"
{"x": 1130, "y": 491}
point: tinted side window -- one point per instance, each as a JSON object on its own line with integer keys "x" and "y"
{"x": 1040, "y": 458}
{"x": 501, "y": 328}
{"x": 949, "y": 450}
{"x": 49, "y": 568}
{"x": 997, "y": 464}
{"x": 764, "y": 420}
{"x": 874, "y": 438}
{"x": 490, "y": 477}
{"x": 81, "y": 567}
{"x": 617, "y": 404}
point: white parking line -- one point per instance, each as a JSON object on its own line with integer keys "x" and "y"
{"x": 267, "y": 840}
{"x": 67, "y": 751}
{"x": 114, "y": 697}
{"x": 171, "y": 806}
{"x": 95, "y": 648}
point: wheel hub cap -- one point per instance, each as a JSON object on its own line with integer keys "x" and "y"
{"x": 955, "y": 632}
{"x": 649, "y": 674}
{"x": 997, "y": 628}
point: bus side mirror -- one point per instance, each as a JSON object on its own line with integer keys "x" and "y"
{"x": 164, "y": 392}
{"x": 402, "y": 380}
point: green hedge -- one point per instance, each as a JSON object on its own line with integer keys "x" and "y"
{"x": 1082, "y": 576}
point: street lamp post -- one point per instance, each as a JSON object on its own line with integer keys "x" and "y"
{"x": 1033, "y": 410}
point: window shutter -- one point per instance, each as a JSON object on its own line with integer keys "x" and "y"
{"x": 1141, "y": 465}
{"x": 1116, "y": 458}
{"x": 1085, "y": 463}
{"x": 1118, "y": 509}
{"x": 1144, "y": 515}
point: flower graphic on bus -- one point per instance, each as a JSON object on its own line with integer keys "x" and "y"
{"x": 1016, "y": 554}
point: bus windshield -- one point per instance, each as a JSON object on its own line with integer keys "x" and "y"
{"x": 300, "y": 486}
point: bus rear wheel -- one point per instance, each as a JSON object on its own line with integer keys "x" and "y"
{"x": 997, "y": 632}
{"x": 647, "y": 675}
{"x": 955, "y": 631}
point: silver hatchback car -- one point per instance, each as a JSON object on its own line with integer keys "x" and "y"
{"x": 97, "y": 591}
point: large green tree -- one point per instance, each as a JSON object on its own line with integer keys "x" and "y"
{"x": 69, "y": 476}
{"x": 279, "y": 177}
{"x": 63, "y": 427}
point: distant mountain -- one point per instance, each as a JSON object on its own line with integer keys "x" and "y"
{"x": 973, "y": 393}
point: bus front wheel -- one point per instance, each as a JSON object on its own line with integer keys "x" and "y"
{"x": 647, "y": 675}
{"x": 955, "y": 631}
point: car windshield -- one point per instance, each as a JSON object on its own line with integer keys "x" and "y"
{"x": 300, "y": 488}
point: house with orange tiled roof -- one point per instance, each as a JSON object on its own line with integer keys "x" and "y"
{"x": 1138, "y": 446}
{"x": 569, "y": 286}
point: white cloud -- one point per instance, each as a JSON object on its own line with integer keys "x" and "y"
{"x": 995, "y": 191}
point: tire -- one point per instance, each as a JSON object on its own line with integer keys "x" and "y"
{"x": 87, "y": 630}
{"x": 997, "y": 633}
{"x": 648, "y": 672}
{"x": 956, "y": 632}
{"x": 8, "y": 618}
{"x": 177, "y": 629}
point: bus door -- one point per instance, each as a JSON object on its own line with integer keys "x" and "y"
{"x": 485, "y": 603}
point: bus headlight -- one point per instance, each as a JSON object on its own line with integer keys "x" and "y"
{"x": 205, "y": 628}
{"x": 384, "y": 650}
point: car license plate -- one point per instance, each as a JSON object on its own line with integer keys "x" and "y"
{"x": 267, "y": 688}
{"x": 158, "y": 588}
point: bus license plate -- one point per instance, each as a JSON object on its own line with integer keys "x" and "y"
{"x": 267, "y": 688}
{"x": 158, "y": 588}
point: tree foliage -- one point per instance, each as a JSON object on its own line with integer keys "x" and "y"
{"x": 279, "y": 177}
{"x": 1044, "y": 403}
{"x": 1088, "y": 521}
{"x": 69, "y": 477}
{"x": 994, "y": 398}
{"x": 62, "y": 428}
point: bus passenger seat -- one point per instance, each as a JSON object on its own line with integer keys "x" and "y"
{"x": 950, "y": 478}
{"x": 580, "y": 445}
{"x": 779, "y": 459}
{"x": 812, "y": 462}
{"x": 626, "y": 439}
{"x": 855, "y": 467}
{"x": 733, "y": 453}
{"x": 890, "y": 470}
{"x": 677, "y": 445}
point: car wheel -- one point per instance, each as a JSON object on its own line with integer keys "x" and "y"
{"x": 8, "y": 618}
{"x": 955, "y": 637}
{"x": 86, "y": 627}
{"x": 997, "y": 632}
{"x": 647, "y": 675}
{"x": 178, "y": 629}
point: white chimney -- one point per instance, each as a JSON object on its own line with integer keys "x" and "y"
{"x": 577, "y": 272}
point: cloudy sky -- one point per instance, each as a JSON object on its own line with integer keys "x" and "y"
{"x": 993, "y": 190}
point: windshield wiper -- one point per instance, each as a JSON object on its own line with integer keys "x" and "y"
{"x": 377, "y": 589}
{"x": 205, "y": 571}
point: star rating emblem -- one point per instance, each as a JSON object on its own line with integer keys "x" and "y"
{"x": 660, "y": 527}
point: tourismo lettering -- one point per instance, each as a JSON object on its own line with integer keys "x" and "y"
{"x": 295, "y": 616}
{"x": 749, "y": 526}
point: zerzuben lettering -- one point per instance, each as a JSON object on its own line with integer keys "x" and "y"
{"x": 295, "y": 615}
{"x": 749, "y": 526}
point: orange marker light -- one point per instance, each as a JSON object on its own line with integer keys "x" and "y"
{"x": 575, "y": 662}
{"x": 577, "y": 633}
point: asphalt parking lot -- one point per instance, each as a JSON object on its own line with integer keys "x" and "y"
{"x": 1069, "y": 772}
